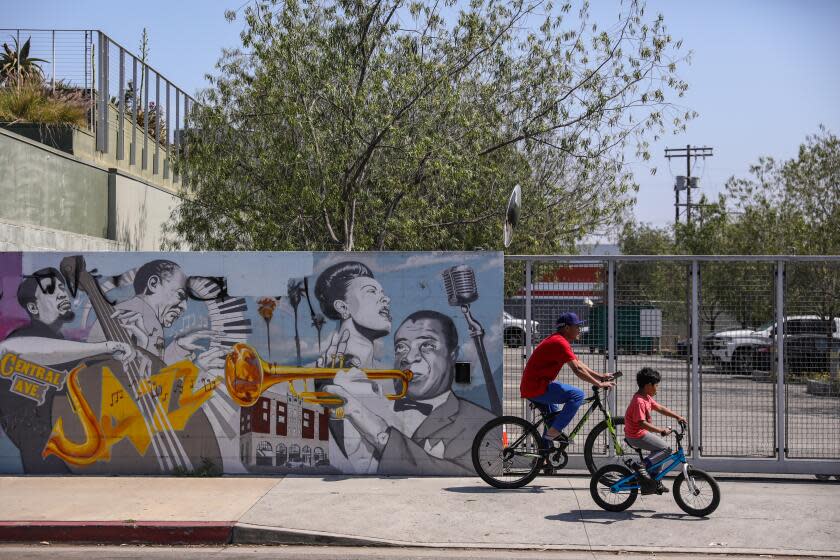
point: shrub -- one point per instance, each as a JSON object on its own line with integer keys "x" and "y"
{"x": 33, "y": 103}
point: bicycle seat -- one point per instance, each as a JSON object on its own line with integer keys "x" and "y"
{"x": 631, "y": 446}
{"x": 541, "y": 408}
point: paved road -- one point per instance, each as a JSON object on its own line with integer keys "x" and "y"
{"x": 738, "y": 414}
{"x": 47, "y": 552}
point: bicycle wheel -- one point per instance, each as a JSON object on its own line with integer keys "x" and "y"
{"x": 599, "y": 488}
{"x": 598, "y": 450}
{"x": 706, "y": 497}
{"x": 506, "y": 452}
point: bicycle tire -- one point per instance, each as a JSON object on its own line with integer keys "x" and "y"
{"x": 605, "y": 478}
{"x": 483, "y": 441}
{"x": 697, "y": 474}
{"x": 592, "y": 440}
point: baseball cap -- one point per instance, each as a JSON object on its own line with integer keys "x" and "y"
{"x": 566, "y": 319}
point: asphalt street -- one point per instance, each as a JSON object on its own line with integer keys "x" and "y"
{"x": 233, "y": 552}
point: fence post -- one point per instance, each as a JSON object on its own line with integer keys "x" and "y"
{"x": 52, "y": 65}
{"x": 528, "y": 340}
{"x": 781, "y": 443}
{"x": 17, "y": 60}
{"x": 168, "y": 156}
{"x": 176, "y": 134}
{"x": 695, "y": 402}
{"x": 612, "y": 359}
{"x": 155, "y": 164}
{"x": 121, "y": 124}
{"x": 135, "y": 92}
{"x": 102, "y": 128}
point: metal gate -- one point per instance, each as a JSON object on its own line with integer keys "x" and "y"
{"x": 759, "y": 376}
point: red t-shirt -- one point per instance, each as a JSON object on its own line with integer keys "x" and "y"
{"x": 638, "y": 410}
{"x": 544, "y": 365}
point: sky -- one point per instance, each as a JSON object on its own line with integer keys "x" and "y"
{"x": 764, "y": 73}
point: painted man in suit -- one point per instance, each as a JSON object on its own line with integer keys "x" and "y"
{"x": 431, "y": 430}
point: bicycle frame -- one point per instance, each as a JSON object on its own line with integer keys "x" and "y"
{"x": 666, "y": 465}
{"x": 595, "y": 399}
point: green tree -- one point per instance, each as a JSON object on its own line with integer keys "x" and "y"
{"x": 793, "y": 208}
{"x": 383, "y": 124}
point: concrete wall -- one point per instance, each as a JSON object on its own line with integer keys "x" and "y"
{"x": 50, "y": 200}
{"x": 26, "y": 237}
{"x": 46, "y": 188}
{"x": 139, "y": 213}
{"x": 71, "y": 406}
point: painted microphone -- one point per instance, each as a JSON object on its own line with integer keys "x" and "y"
{"x": 462, "y": 290}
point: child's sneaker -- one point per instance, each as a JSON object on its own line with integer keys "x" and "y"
{"x": 646, "y": 484}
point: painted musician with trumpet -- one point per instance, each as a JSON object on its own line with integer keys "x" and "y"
{"x": 429, "y": 431}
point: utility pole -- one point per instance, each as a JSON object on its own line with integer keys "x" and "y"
{"x": 686, "y": 182}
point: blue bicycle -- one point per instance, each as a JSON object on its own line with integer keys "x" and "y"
{"x": 615, "y": 487}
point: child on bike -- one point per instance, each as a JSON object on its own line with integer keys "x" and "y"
{"x": 640, "y": 431}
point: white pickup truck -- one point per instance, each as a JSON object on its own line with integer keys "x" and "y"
{"x": 737, "y": 349}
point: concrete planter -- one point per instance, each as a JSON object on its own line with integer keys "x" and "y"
{"x": 58, "y": 136}
{"x": 823, "y": 388}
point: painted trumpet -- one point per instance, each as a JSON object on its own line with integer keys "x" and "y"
{"x": 247, "y": 376}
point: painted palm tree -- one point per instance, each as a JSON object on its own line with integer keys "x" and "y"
{"x": 318, "y": 320}
{"x": 267, "y": 305}
{"x": 295, "y": 292}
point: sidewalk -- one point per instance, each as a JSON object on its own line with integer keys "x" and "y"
{"x": 792, "y": 517}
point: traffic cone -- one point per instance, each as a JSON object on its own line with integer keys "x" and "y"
{"x": 504, "y": 436}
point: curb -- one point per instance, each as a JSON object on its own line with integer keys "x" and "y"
{"x": 118, "y": 532}
{"x": 249, "y": 534}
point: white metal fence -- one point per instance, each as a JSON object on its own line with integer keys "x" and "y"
{"x": 137, "y": 114}
{"x": 759, "y": 376}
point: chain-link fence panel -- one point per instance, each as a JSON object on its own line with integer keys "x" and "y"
{"x": 514, "y": 330}
{"x": 577, "y": 287}
{"x": 651, "y": 331}
{"x": 737, "y": 305}
{"x": 811, "y": 350}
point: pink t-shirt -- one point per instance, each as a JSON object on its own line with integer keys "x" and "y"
{"x": 638, "y": 410}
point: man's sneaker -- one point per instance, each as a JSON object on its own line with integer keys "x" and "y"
{"x": 555, "y": 443}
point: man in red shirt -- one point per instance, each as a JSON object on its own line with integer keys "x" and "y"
{"x": 538, "y": 383}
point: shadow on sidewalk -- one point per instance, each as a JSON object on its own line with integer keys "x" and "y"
{"x": 602, "y": 517}
{"x": 491, "y": 490}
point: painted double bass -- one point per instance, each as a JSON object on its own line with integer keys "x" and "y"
{"x": 139, "y": 416}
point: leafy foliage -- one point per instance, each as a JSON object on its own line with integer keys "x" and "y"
{"x": 384, "y": 124}
{"x": 17, "y": 66}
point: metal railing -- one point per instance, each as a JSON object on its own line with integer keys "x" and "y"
{"x": 137, "y": 115}
{"x": 748, "y": 346}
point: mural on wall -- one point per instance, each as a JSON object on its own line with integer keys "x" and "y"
{"x": 365, "y": 363}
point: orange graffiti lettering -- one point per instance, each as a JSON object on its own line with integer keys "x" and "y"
{"x": 121, "y": 417}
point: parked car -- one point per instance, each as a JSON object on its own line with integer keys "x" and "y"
{"x": 808, "y": 339}
{"x": 803, "y": 353}
{"x": 514, "y": 330}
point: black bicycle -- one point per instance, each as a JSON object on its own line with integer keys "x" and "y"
{"x": 508, "y": 452}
